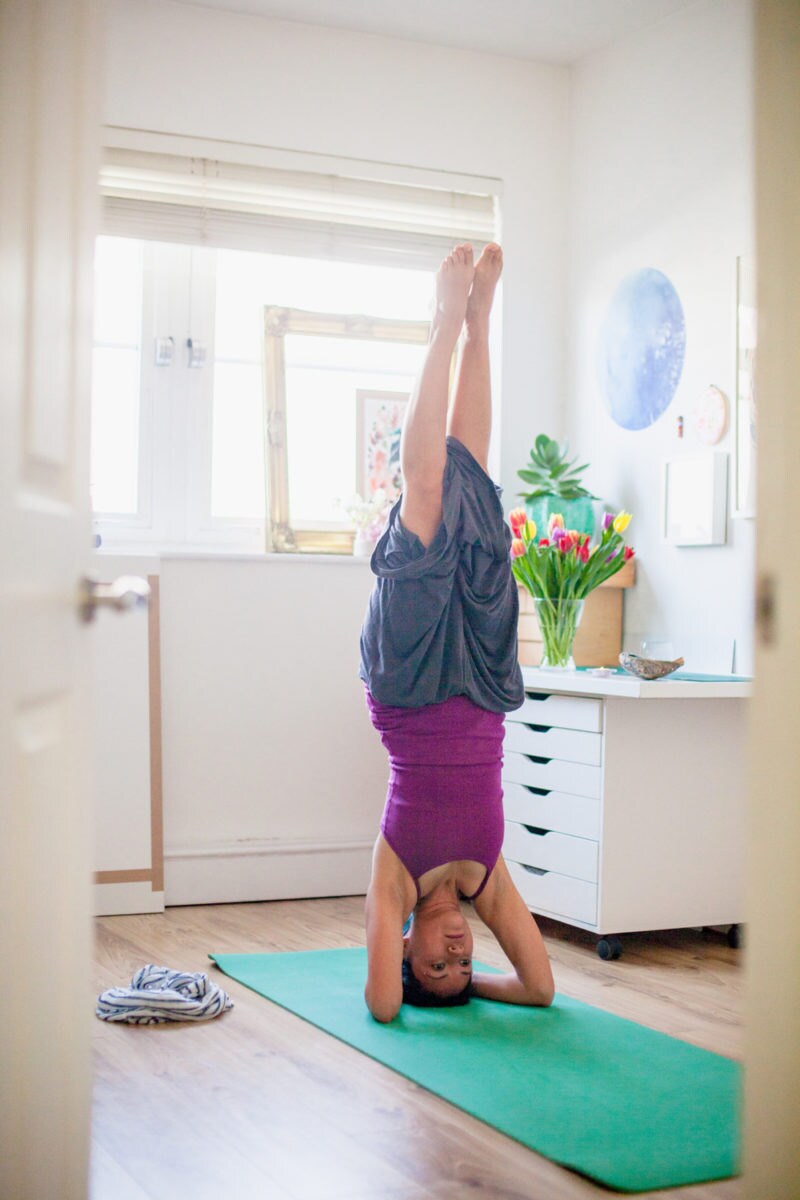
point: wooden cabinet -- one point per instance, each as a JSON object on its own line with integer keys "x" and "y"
{"x": 599, "y": 637}
{"x": 625, "y": 800}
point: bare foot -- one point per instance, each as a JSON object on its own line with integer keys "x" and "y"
{"x": 487, "y": 273}
{"x": 453, "y": 282}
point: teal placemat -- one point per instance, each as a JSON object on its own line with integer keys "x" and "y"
{"x": 696, "y": 678}
{"x": 631, "y": 1108}
{"x": 689, "y": 676}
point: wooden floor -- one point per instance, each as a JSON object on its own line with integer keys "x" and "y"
{"x": 258, "y": 1104}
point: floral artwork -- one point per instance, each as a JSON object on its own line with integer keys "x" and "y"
{"x": 380, "y": 421}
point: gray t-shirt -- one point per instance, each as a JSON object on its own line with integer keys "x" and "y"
{"x": 442, "y": 620}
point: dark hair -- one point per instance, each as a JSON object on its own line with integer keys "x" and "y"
{"x": 416, "y": 993}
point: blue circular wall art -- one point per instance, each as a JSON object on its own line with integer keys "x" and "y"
{"x": 642, "y": 343}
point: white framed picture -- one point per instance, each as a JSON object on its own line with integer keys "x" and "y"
{"x": 695, "y": 500}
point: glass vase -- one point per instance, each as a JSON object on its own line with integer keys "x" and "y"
{"x": 558, "y": 623}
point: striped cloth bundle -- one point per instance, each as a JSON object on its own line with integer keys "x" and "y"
{"x": 159, "y": 994}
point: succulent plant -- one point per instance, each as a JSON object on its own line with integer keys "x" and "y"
{"x": 551, "y": 474}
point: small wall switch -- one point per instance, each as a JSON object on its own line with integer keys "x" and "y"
{"x": 165, "y": 351}
{"x": 197, "y": 353}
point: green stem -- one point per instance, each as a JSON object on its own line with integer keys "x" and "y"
{"x": 558, "y": 622}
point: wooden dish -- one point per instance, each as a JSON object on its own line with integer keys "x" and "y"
{"x": 648, "y": 668}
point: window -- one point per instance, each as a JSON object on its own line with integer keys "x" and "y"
{"x": 116, "y": 382}
{"x": 317, "y": 367}
{"x": 197, "y": 255}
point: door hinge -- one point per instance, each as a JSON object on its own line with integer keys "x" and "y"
{"x": 766, "y": 605}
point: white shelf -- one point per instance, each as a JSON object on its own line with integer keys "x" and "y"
{"x": 581, "y": 683}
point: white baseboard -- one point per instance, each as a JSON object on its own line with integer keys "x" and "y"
{"x": 266, "y": 870}
{"x": 115, "y": 899}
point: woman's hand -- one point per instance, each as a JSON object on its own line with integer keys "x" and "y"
{"x": 510, "y": 989}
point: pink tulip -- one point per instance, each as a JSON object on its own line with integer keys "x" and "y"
{"x": 517, "y": 548}
{"x": 517, "y": 519}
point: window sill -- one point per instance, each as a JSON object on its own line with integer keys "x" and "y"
{"x": 205, "y": 555}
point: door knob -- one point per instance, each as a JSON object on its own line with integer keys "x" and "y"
{"x": 126, "y": 592}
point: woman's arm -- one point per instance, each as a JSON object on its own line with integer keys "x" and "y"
{"x": 501, "y": 907}
{"x": 385, "y": 913}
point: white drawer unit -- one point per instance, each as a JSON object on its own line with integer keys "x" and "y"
{"x": 552, "y": 774}
{"x": 560, "y": 712}
{"x": 551, "y": 851}
{"x": 579, "y": 815}
{"x": 625, "y": 803}
{"x": 574, "y": 745}
{"x": 571, "y": 900}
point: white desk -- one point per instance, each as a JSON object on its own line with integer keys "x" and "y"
{"x": 625, "y": 801}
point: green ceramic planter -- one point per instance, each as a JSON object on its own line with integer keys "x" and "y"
{"x": 578, "y": 514}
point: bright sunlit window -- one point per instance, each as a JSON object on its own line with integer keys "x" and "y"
{"x": 260, "y": 320}
{"x": 322, "y": 376}
{"x": 116, "y": 382}
{"x": 178, "y": 439}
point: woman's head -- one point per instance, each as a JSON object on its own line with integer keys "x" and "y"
{"x": 437, "y": 962}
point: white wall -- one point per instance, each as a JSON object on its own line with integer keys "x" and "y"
{"x": 181, "y": 69}
{"x": 274, "y": 779}
{"x": 267, "y": 747}
{"x": 651, "y": 142}
{"x": 661, "y": 176}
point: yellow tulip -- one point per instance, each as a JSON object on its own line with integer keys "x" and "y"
{"x": 622, "y": 521}
{"x": 530, "y": 530}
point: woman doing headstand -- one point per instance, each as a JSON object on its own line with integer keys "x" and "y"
{"x": 439, "y": 661}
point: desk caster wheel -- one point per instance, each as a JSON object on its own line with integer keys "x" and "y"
{"x": 734, "y": 937}
{"x": 609, "y": 947}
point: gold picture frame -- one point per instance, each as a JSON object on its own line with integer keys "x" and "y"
{"x": 281, "y": 537}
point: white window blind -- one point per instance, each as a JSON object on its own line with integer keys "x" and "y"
{"x": 206, "y": 201}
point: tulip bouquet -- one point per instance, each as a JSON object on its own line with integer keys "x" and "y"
{"x": 560, "y": 570}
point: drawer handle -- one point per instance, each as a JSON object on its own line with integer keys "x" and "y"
{"x": 537, "y": 695}
{"x": 536, "y": 831}
{"x": 539, "y": 728}
{"x": 533, "y": 870}
{"x": 537, "y": 758}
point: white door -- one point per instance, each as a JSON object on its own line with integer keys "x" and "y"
{"x": 772, "y": 947}
{"x": 49, "y": 131}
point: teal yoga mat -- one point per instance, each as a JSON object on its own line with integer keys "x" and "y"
{"x": 631, "y": 1108}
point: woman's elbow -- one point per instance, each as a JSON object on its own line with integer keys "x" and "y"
{"x": 381, "y": 1010}
{"x": 544, "y": 991}
{"x": 540, "y": 995}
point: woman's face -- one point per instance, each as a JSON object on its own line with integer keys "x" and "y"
{"x": 439, "y": 952}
